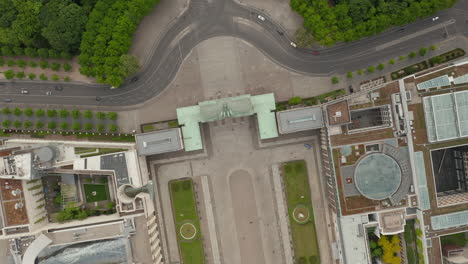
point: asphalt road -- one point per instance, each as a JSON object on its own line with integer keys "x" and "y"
{"x": 205, "y": 19}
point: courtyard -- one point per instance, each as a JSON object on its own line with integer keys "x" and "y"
{"x": 239, "y": 195}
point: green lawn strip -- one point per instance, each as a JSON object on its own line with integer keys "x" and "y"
{"x": 102, "y": 151}
{"x": 185, "y": 210}
{"x": 298, "y": 192}
{"x": 101, "y": 192}
{"x": 81, "y": 150}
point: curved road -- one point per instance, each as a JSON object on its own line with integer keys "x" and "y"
{"x": 205, "y": 19}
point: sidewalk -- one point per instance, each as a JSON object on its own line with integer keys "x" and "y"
{"x": 442, "y": 47}
{"x": 154, "y": 25}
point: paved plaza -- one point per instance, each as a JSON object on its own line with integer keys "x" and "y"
{"x": 239, "y": 173}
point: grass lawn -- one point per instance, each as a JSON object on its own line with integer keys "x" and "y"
{"x": 102, "y": 193}
{"x": 298, "y": 193}
{"x": 455, "y": 239}
{"x": 184, "y": 208}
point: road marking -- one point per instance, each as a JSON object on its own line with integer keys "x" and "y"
{"x": 414, "y": 35}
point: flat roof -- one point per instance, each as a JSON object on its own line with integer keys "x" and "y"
{"x": 421, "y": 181}
{"x": 118, "y": 164}
{"x": 354, "y": 242}
{"x": 446, "y": 116}
{"x": 451, "y": 220}
{"x": 263, "y": 105}
{"x": 461, "y": 79}
{"x": 433, "y": 83}
{"x": 299, "y": 119}
{"x": 377, "y": 176}
{"x": 338, "y": 113}
{"x": 158, "y": 142}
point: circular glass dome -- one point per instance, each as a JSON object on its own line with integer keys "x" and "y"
{"x": 377, "y": 176}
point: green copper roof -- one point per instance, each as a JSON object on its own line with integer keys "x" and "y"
{"x": 212, "y": 110}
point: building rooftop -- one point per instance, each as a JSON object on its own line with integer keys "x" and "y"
{"x": 422, "y": 181}
{"x": 440, "y": 81}
{"x": 17, "y": 166}
{"x": 354, "y": 242}
{"x": 446, "y": 116}
{"x": 299, "y": 119}
{"x": 338, "y": 113}
{"x": 451, "y": 220}
{"x": 158, "y": 142}
{"x": 230, "y": 107}
{"x": 377, "y": 176}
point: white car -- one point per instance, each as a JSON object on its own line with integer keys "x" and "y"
{"x": 24, "y": 91}
{"x": 261, "y": 17}
{"x": 49, "y": 93}
{"x": 293, "y": 44}
{"x": 435, "y": 18}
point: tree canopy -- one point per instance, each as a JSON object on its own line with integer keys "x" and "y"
{"x": 351, "y": 20}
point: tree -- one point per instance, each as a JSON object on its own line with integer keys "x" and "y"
{"x": 20, "y": 75}
{"x": 88, "y": 114}
{"x": 43, "y": 53}
{"x": 27, "y": 124}
{"x": 64, "y": 126}
{"x": 359, "y": 72}
{"x": 6, "y": 111}
{"x": 30, "y": 52}
{"x": 9, "y": 74}
{"x": 381, "y": 66}
{"x": 11, "y": 63}
{"x": 43, "y": 77}
{"x": 18, "y": 51}
{"x": 21, "y": 63}
{"x": 75, "y": 114}
{"x": 112, "y": 115}
{"x": 432, "y": 47}
{"x": 128, "y": 65}
{"x": 51, "y": 113}
{"x": 2, "y": 61}
{"x": 6, "y": 123}
{"x": 17, "y": 124}
{"x": 100, "y": 127}
{"x": 64, "y": 113}
{"x": 40, "y": 113}
{"x": 112, "y": 128}
{"x": 53, "y": 54}
{"x": 39, "y": 124}
{"x": 67, "y": 67}
{"x": 422, "y": 51}
{"x": 66, "y": 78}
{"x": 101, "y": 115}
{"x": 391, "y": 62}
{"x": 335, "y": 80}
{"x": 52, "y": 125}
{"x": 88, "y": 126}
{"x": 76, "y": 126}
{"x": 32, "y": 76}
{"x": 55, "y": 77}
{"x": 55, "y": 66}
{"x": 6, "y": 51}
{"x": 370, "y": 69}
{"x": 402, "y": 57}
{"x": 17, "y": 111}
{"x": 412, "y": 54}
{"x": 28, "y": 112}
{"x": 65, "y": 25}
{"x": 66, "y": 55}
{"x": 349, "y": 75}
{"x": 43, "y": 64}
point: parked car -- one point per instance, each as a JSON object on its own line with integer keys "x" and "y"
{"x": 261, "y": 17}
{"x": 293, "y": 44}
{"x": 435, "y": 18}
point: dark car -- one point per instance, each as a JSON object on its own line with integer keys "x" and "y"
{"x": 7, "y": 100}
{"x": 134, "y": 79}
{"x": 351, "y": 90}
{"x": 58, "y": 88}
{"x": 98, "y": 98}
